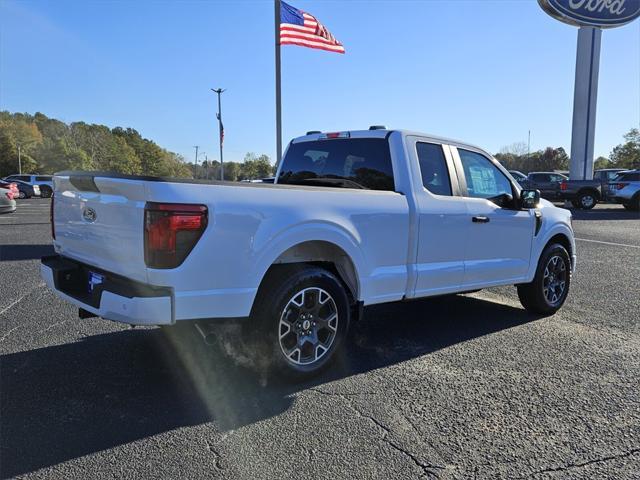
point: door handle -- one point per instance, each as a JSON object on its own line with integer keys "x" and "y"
{"x": 480, "y": 219}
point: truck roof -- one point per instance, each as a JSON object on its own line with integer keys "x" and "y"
{"x": 379, "y": 132}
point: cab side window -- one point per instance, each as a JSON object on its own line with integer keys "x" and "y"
{"x": 484, "y": 179}
{"x": 433, "y": 167}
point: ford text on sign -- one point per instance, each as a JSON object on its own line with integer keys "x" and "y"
{"x": 596, "y": 13}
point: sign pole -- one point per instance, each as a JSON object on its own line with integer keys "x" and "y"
{"x": 276, "y": 4}
{"x": 584, "y": 103}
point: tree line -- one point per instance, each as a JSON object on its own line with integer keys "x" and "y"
{"x": 48, "y": 145}
{"x": 516, "y": 157}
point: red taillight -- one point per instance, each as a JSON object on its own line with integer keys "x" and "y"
{"x": 563, "y": 186}
{"x": 171, "y": 230}
{"x": 620, "y": 186}
{"x": 9, "y": 195}
{"x": 53, "y": 227}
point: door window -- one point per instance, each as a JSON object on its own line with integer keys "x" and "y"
{"x": 433, "y": 167}
{"x": 484, "y": 179}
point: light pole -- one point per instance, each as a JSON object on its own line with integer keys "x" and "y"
{"x": 221, "y": 129}
{"x": 196, "y": 162}
{"x": 19, "y": 159}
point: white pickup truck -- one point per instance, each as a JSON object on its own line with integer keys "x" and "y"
{"x": 353, "y": 219}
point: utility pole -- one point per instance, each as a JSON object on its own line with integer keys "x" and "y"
{"x": 529, "y": 147}
{"x": 220, "y": 128}
{"x": 19, "y": 159}
{"x": 196, "y": 163}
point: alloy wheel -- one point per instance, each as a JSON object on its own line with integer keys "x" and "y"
{"x": 308, "y": 326}
{"x": 555, "y": 280}
{"x": 587, "y": 201}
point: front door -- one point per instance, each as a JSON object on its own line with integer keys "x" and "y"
{"x": 498, "y": 242}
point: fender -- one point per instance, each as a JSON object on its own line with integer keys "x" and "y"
{"x": 541, "y": 241}
{"x": 270, "y": 249}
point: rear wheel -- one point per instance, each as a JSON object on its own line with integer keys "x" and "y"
{"x": 587, "y": 200}
{"x": 22, "y": 195}
{"x": 299, "y": 322}
{"x": 550, "y": 287}
{"x": 45, "y": 192}
{"x": 634, "y": 204}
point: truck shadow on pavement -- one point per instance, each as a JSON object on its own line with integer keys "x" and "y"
{"x": 24, "y": 252}
{"x": 65, "y": 401}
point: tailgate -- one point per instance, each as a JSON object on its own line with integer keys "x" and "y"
{"x": 100, "y": 221}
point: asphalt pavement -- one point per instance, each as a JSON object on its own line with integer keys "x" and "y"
{"x": 467, "y": 386}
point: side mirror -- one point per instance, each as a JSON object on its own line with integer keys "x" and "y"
{"x": 529, "y": 198}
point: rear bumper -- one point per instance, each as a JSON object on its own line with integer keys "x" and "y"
{"x": 116, "y": 298}
{"x": 7, "y": 208}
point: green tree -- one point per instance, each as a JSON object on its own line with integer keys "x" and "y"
{"x": 627, "y": 155}
{"x": 49, "y": 145}
{"x": 601, "y": 162}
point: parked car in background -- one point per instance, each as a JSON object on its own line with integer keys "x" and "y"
{"x": 7, "y": 202}
{"x": 353, "y": 219}
{"x": 13, "y": 186}
{"x": 586, "y": 194}
{"x": 518, "y": 176}
{"x": 45, "y": 182}
{"x": 26, "y": 190}
{"x": 547, "y": 182}
{"x": 627, "y": 189}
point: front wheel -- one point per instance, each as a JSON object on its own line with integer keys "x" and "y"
{"x": 633, "y": 205}
{"x": 300, "y": 321}
{"x": 22, "y": 195}
{"x": 550, "y": 287}
{"x": 45, "y": 192}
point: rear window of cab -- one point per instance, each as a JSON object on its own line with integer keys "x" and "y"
{"x": 359, "y": 163}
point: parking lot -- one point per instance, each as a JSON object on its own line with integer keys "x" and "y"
{"x": 467, "y": 386}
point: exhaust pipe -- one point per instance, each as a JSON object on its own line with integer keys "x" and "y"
{"x": 206, "y": 332}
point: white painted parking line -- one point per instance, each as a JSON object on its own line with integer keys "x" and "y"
{"x": 608, "y": 243}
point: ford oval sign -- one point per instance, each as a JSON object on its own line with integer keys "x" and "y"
{"x": 89, "y": 215}
{"x": 593, "y": 13}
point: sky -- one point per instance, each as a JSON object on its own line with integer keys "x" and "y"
{"x": 483, "y": 71}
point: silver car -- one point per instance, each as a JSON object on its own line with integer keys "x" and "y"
{"x": 7, "y": 203}
{"x": 627, "y": 189}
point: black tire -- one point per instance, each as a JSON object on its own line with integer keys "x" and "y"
{"x": 22, "y": 195}
{"x": 264, "y": 336}
{"x": 587, "y": 200}
{"x": 534, "y": 297}
{"x": 634, "y": 204}
{"x": 45, "y": 192}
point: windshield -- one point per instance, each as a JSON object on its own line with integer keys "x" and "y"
{"x": 361, "y": 163}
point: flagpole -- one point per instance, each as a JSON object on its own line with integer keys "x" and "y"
{"x": 220, "y": 129}
{"x": 276, "y": 4}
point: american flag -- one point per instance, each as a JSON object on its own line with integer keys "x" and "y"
{"x": 221, "y": 129}
{"x": 300, "y": 28}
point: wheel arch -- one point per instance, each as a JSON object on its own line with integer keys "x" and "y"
{"x": 561, "y": 239}
{"x": 320, "y": 253}
{"x": 591, "y": 190}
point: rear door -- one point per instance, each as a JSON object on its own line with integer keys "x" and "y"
{"x": 100, "y": 221}
{"x": 442, "y": 219}
{"x": 498, "y": 239}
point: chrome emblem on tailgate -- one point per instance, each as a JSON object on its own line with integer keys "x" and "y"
{"x": 89, "y": 214}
